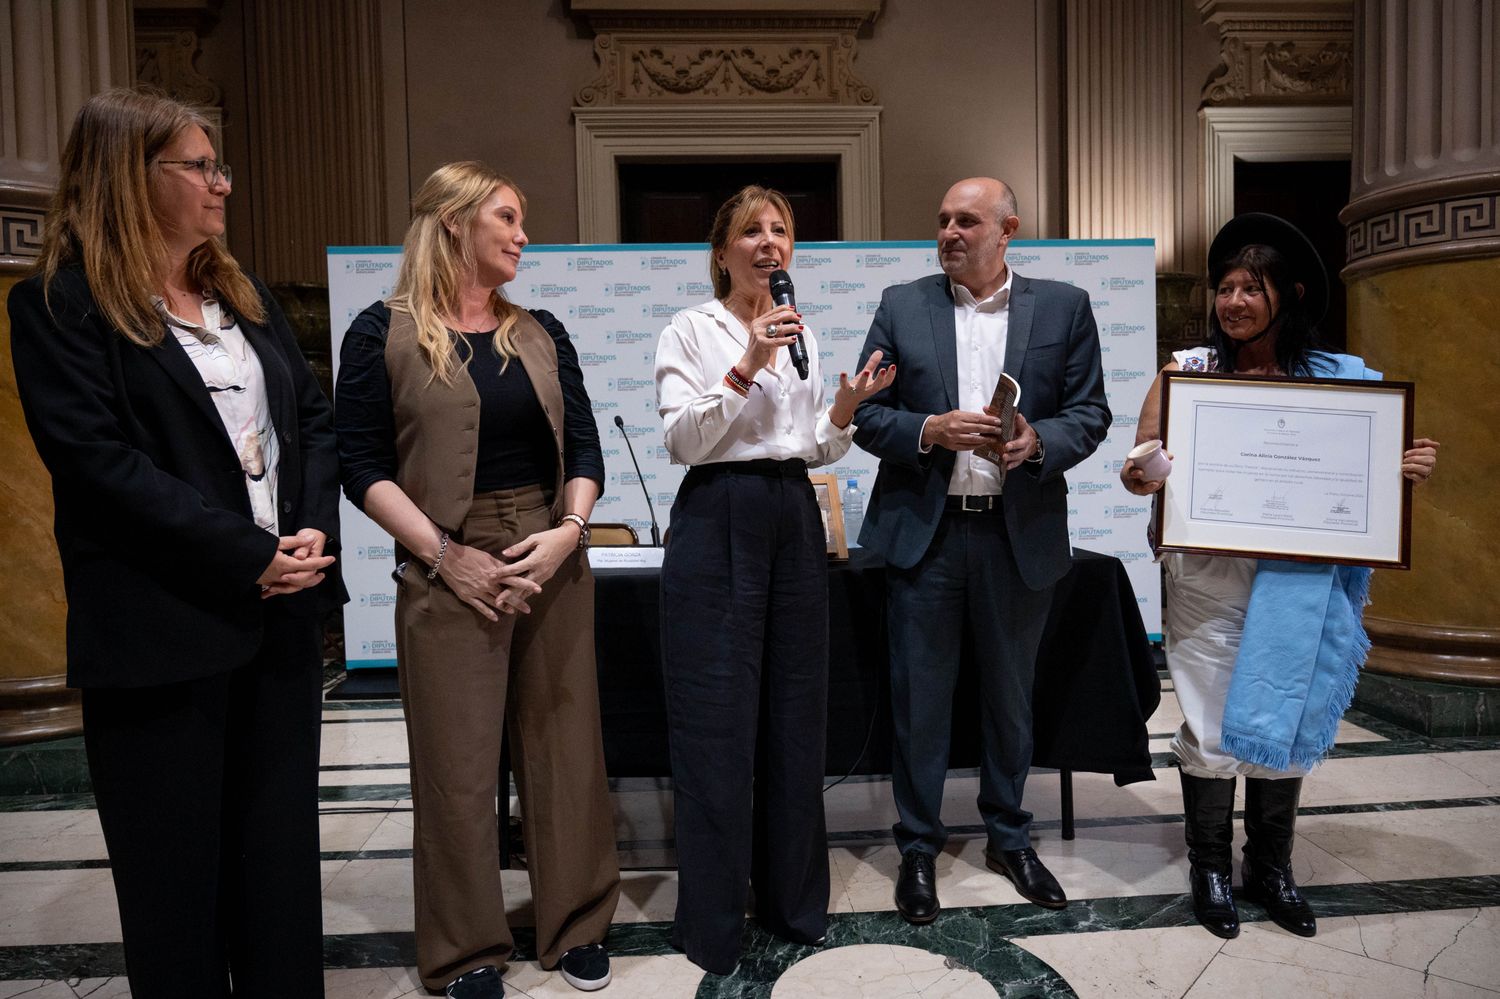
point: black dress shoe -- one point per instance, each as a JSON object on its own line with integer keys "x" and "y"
{"x": 481, "y": 983}
{"x": 916, "y": 888}
{"x": 1273, "y": 888}
{"x": 1030, "y": 876}
{"x": 1213, "y": 902}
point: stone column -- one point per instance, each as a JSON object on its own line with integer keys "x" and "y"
{"x": 54, "y": 54}
{"x": 1424, "y": 288}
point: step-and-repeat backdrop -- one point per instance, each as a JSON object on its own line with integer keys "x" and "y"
{"x": 616, "y": 299}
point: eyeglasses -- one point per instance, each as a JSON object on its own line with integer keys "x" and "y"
{"x": 209, "y": 169}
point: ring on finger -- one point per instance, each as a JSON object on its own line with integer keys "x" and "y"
{"x": 772, "y": 329}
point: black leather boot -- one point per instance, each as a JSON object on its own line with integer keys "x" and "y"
{"x": 1208, "y": 814}
{"x": 1270, "y": 818}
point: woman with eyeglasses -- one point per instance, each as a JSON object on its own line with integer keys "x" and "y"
{"x": 195, "y": 479}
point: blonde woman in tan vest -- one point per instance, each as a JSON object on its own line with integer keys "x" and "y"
{"x": 466, "y": 432}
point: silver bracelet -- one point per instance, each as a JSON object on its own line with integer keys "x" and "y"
{"x": 442, "y": 550}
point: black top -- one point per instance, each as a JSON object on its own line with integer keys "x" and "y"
{"x": 366, "y": 422}
{"x": 515, "y": 439}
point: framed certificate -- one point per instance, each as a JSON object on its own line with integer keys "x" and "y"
{"x": 1287, "y": 468}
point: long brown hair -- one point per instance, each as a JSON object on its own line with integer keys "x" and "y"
{"x": 734, "y": 217}
{"x": 101, "y": 216}
{"x": 437, "y": 254}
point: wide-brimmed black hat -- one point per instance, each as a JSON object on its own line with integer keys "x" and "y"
{"x": 1286, "y": 239}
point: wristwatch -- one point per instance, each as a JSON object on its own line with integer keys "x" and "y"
{"x": 583, "y": 527}
{"x": 1041, "y": 451}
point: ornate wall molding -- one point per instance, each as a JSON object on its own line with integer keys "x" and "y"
{"x": 748, "y": 67}
{"x": 166, "y": 57}
{"x": 709, "y": 79}
{"x": 605, "y": 136}
{"x": 1266, "y": 133}
{"x": 697, "y": 51}
{"x": 1277, "y": 51}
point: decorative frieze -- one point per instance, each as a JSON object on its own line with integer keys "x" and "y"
{"x": 20, "y": 233}
{"x": 1272, "y": 51}
{"x": 648, "y": 68}
{"x": 1465, "y": 226}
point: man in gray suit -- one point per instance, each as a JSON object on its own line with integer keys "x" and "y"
{"x": 962, "y": 553}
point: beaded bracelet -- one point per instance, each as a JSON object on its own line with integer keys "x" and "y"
{"x": 738, "y": 381}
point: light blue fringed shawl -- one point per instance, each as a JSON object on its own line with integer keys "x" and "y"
{"x": 1303, "y": 645}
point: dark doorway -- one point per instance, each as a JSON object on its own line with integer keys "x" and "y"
{"x": 1310, "y": 195}
{"x": 675, "y": 202}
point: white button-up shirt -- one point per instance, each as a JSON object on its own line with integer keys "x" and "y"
{"x": 981, "y": 329}
{"x": 706, "y": 421}
{"x": 232, "y": 373}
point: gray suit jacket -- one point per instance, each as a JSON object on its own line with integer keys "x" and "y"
{"x": 1052, "y": 350}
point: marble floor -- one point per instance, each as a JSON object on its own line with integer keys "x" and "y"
{"x": 1398, "y": 845}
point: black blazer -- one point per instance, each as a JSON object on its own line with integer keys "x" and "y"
{"x": 159, "y": 551}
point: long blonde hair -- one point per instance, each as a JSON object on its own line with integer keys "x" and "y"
{"x": 732, "y": 220}
{"x": 101, "y": 215}
{"x": 437, "y": 255}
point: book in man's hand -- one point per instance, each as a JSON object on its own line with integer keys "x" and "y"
{"x": 1004, "y": 402}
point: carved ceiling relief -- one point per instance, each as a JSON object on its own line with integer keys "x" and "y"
{"x": 749, "y": 68}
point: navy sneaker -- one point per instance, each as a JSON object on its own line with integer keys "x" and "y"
{"x": 481, "y": 983}
{"x": 585, "y": 968}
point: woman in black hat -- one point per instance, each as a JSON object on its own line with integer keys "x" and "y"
{"x": 1270, "y": 291}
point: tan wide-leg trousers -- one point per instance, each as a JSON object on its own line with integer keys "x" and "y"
{"x": 461, "y": 675}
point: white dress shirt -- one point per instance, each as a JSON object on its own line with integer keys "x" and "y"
{"x": 981, "y": 329}
{"x": 236, "y": 382}
{"x": 706, "y": 421}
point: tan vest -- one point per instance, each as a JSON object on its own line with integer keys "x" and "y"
{"x": 437, "y": 425}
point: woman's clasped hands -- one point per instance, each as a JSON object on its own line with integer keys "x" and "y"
{"x": 486, "y": 583}
{"x": 298, "y": 564}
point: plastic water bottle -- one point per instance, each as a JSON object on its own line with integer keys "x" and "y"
{"x": 853, "y": 502}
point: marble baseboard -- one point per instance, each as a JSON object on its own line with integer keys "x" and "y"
{"x": 1434, "y": 709}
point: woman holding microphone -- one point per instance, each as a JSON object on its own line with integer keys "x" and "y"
{"x": 745, "y": 592}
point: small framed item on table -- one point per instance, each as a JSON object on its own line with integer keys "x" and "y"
{"x": 826, "y": 487}
{"x": 1304, "y": 469}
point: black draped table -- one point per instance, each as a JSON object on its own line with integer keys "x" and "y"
{"x": 1096, "y": 682}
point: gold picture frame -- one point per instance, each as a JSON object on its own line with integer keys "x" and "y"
{"x": 826, "y": 488}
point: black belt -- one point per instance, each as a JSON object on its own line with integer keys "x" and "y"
{"x": 973, "y": 504}
{"x": 771, "y": 468}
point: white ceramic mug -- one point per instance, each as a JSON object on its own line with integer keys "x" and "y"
{"x": 1151, "y": 460}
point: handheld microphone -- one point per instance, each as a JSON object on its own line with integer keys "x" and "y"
{"x": 783, "y": 294}
{"x": 655, "y": 532}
